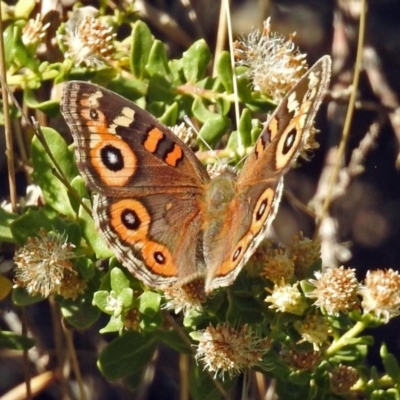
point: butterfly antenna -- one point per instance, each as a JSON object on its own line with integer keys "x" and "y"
{"x": 242, "y": 160}
{"x": 212, "y": 151}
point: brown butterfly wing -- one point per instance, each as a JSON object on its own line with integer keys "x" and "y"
{"x": 120, "y": 148}
{"x": 158, "y": 236}
{"x": 150, "y": 184}
{"x": 259, "y": 185}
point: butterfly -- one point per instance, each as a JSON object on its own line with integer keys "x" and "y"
{"x": 156, "y": 206}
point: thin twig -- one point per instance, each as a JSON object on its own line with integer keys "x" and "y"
{"x": 221, "y": 36}
{"x": 74, "y": 362}
{"x": 297, "y": 203}
{"x": 349, "y": 115}
{"x": 57, "y": 171}
{"x": 7, "y": 125}
{"x": 59, "y": 346}
{"x": 184, "y": 366}
{"x": 25, "y": 356}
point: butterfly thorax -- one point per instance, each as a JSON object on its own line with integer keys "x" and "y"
{"x": 220, "y": 192}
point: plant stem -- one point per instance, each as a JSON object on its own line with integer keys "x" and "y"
{"x": 343, "y": 340}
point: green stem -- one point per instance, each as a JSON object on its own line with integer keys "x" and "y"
{"x": 343, "y": 340}
{"x": 22, "y": 80}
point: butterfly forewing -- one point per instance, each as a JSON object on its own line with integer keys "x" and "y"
{"x": 119, "y": 145}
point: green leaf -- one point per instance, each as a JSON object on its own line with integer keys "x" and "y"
{"x": 214, "y": 125}
{"x": 23, "y": 8}
{"x": 173, "y": 340}
{"x": 33, "y": 220}
{"x": 81, "y": 313}
{"x": 149, "y": 303}
{"x": 9, "y": 340}
{"x": 246, "y": 310}
{"x": 289, "y": 391}
{"x": 233, "y": 141}
{"x": 306, "y": 286}
{"x": 17, "y": 54}
{"x": 175, "y": 66}
{"x": 142, "y": 42}
{"x": 54, "y": 191}
{"x": 393, "y": 393}
{"x": 256, "y": 130}
{"x": 131, "y": 89}
{"x": 224, "y": 71}
{"x": 50, "y": 107}
{"x": 149, "y": 307}
{"x": 115, "y": 324}
{"x": 245, "y": 127}
{"x": 29, "y": 224}
{"x": 193, "y": 318}
{"x": 170, "y": 115}
{"x": 91, "y": 235}
{"x": 21, "y": 297}
{"x": 160, "y": 89}
{"x": 119, "y": 280}
{"x": 195, "y": 61}
{"x": 381, "y": 394}
{"x": 6, "y": 219}
{"x": 391, "y": 364}
{"x": 126, "y": 355}
{"x": 224, "y": 105}
{"x": 244, "y": 89}
{"x": 79, "y": 186}
{"x": 151, "y": 322}
{"x": 100, "y": 299}
{"x": 126, "y": 296}
{"x": 201, "y": 112}
{"x": 214, "y": 129}
{"x": 158, "y": 61}
{"x": 70, "y": 229}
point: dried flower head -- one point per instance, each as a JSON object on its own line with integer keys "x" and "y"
{"x": 89, "y": 41}
{"x": 304, "y": 252}
{"x": 278, "y": 265}
{"x": 287, "y": 298}
{"x": 304, "y": 361}
{"x": 311, "y": 143}
{"x": 215, "y": 170}
{"x": 184, "y": 132}
{"x": 343, "y": 378}
{"x": 132, "y": 320}
{"x": 335, "y": 290}
{"x": 34, "y": 31}
{"x": 275, "y": 63}
{"x": 43, "y": 262}
{"x": 314, "y": 329}
{"x": 381, "y": 294}
{"x": 185, "y": 297}
{"x": 224, "y": 349}
{"x": 72, "y": 285}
